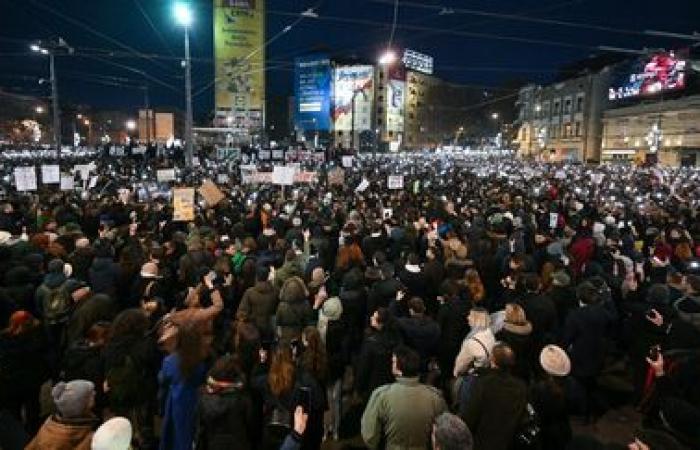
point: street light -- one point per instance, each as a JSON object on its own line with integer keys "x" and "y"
{"x": 184, "y": 17}
{"x": 39, "y": 109}
{"x": 387, "y": 58}
{"x": 494, "y": 116}
{"x": 130, "y": 125}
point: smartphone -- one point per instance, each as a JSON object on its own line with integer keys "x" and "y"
{"x": 305, "y": 399}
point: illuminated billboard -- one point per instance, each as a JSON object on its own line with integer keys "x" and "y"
{"x": 353, "y": 82}
{"x": 312, "y": 93}
{"x": 647, "y": 76}
{"x": 395, "y": 100}
{"x": 239, "y": 53}
{"x": 418, "y": 61}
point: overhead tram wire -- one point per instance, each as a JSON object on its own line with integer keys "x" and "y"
{"x": 158, "y": 34}
{"x": 134, "y": 70}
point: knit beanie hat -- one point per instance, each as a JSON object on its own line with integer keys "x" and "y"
{"x": 555, "y": 361}
{"x": 73, "y": 398}
{"x": 332, "y": 308}
{"x": 114, "y": 434}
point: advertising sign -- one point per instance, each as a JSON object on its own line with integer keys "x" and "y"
{"x": 353, "y": 82}
{"x": 395, "y": 100}
{"x": 649, "y": 76}
{"x": 418, "y": 61}
{"x": 312, "y": 93}
{"x": 239, "y": 53}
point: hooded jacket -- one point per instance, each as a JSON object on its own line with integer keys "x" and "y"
{"x": 259, "y": 305}
{"x": 104, "y": 276}
{"x": 64, "y": 434}
{"x": 225, "y": 419}
{"x": 293, "y": 312}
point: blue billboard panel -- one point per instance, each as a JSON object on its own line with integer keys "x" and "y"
{"x": 312, "y": 90}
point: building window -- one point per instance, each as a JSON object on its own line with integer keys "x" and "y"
{"x": 567, "y": 130}
{"x": 380, "y": 98}
{"x": 380, "y": 121}
{"x": 567, "y": 106}
{"x": 380, "y": 110}
{"x": 391, "y": 134}
{"x": 556, "y": 108}
{"x": 579, "y": 104}
{"x": 578, "y": 129}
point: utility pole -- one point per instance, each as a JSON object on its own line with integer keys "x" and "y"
{"x": 189, "y": 145}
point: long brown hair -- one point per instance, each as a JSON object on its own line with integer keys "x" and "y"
{"x": 189, "y": 349}
{"x": 314, "y": 358}
{"x": 280, "y": 378}
{"x": 548, "y": 270}
{"x": 475, "y": 286}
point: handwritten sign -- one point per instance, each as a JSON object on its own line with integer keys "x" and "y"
{"x": 395, "y": 182}
{"x": 25, "y": 178}
{"x": 51, "y": 174}
{"x": 211, "y": 193}
{"x": 165, "y": 175}
{"x": 283, "y": 175}
{"x": 183, "y": 204}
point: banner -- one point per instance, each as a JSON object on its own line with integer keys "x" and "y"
{"x": 278, "y": 155}
{"x": 353, "y": 82}
{"x": 224, "y": 153}
{"x": 183, "y": 204}
{"x": 306, "y": 177}
{"x": 25, "y": 178}
{"x": 264, "y": 155}
{"x": 211, "y": 193}
{"x": 239, "y": 53}
{"x": 51, "y": 174}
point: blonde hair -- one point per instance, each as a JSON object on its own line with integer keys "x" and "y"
{"x": 515, "y": 314}
{"x": 475, "y": 286}
{"x": 479, "y": 318}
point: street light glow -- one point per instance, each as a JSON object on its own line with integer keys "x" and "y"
{"x": 130, "y": 125}
{"x": 183, "y": 14}
{"x": 86, "y": 121}
{"x": 494, "y": 116}
{"x": 39, "y": 109}
{"x": 389, "y": 57}
{"x": 35, "y": 48}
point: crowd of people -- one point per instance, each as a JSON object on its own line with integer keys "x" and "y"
{"x": 479, "y": 305}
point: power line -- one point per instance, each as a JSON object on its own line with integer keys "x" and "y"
{"x": 134, "y": 70}
{"x": 153, "y": 27}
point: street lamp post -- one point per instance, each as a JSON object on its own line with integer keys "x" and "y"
{"x": 54, "y": 89}
{"x": 183, "y": 15}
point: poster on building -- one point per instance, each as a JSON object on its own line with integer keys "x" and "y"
{"x": 25, "y": 178}
{"x": 395, "y": 101}
{"x": 353, "y": 82}
{"x": 312, "y": 93}
{"x": 239, "y": 53}
{"x": 183, "y": 204}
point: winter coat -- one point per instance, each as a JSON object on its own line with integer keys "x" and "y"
{"x": 288, "y": 270}
{"x": 259, "y": 305}
{"x": 688, "y": 309}
{"x": 23, "y": 367}
{"x": 373, "y": 367}
{"x": 105, "y": 276}
{"x": 180, "y": 394}
{"x": 225, "y": 420}
{"x": 549, "y": 403}
{"x": 131, "y": 367}
{"x": 422, "y": 334}
{"x": 382, "y": 293}
{"x": 584, "y": 340}
{"x": 51, "y": 282}
{"x": 451, "y": 318}
{"x": 293, "y": 312}
{"x": 415, "y": 282}
{"x": 519, "y": 338}
{"x": 83, "y": 361}
{"x": 402, "y": 413}
{"x": 495, "y": 408}
{"x": 475, "y": 351}
{"x": 86, "y": 313}
{"x": 542, "y": 314}
{"x": 81, "y": 260}
{"x": 64, "y": 434}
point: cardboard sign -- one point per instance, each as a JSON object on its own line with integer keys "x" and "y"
{"x": 67, "y": 182}
{"x": 395, "y": 182}
{"x": 51, "y": 174}
{"x": 278, "y": 155}
{"x": 183, "y": 204}
{"x": 347, "y": 162}
{"x": 364, "y": 184}
{"x": 283, "y": 175}
{"x": 336, "y": 177}
{"x": 165, "y": 175}
{"x": 211, "y": 193}
{"x": 25, "y": 178}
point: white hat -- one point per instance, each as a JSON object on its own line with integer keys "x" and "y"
{"x": 555, "y": 361}
{"x": 114, "y": 434}
{"x": 5, "y": 237}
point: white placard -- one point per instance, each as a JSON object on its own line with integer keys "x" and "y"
{"x": 364, "y": 184}
{"x": 67, "y": 182}
{"x": 283, "y": 175}
{"x": 553, "y": 220}
{"x": 140, "y": 150}
{"x": 50, "y": 174}
{"x": 560, "y": 175}
{"x": 25, "y": 178}
{"x": 222, "y": 178}
{"x": 165, "y": 175}
{"x": 263, "y": 155}
{"x": 248, "y": 173}
{"x": 195, "y": 161}
{"x": 347, "y": 162}
{"x": 93, "y": 182}
{"x": 395, "y": 182}
{"x": 83, "y": 170}
{"x": 278, "y": 155}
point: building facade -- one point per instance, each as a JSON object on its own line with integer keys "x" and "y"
{"x": 563, "y": 121}
{"x": 670, "y": 129}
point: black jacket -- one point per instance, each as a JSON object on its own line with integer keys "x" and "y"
{"x": 422, "y": 334}
{"x": 374, "y": 363}
{"x": 452, "y": 320}
{"x": 225, "y": 420}
{"x": 381, "y": 294}
{"x": 584, "y": 334}
{"x": 495, "y": 409}
{"x": 104, "y": 276}
{"x": 548, "y": 398}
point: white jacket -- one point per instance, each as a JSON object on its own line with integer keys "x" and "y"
{"x": 474, "y": 352}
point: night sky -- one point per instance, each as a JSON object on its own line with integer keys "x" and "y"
{"x": 468, "y": 48}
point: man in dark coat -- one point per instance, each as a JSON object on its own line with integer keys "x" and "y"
{"x": 496, "y": 404}
{"x": 104, "y": 273}
{"x": 89, "y": 308}
{"x": 420, "y": 331}
{"x": 259, "y": 303}
{"x": 373, "y": 367}
{"x": 412, "y": 276}
{"x": 384, "y": 291}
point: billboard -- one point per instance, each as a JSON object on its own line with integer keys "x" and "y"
{"x": 349, "y": 82}
{"x": 395, "y": 100}
{"x": 418, "y": 61}
{"x": 649, "y": 76}
{"x": 239, "y": 53}
{"x": 312, "y": 93}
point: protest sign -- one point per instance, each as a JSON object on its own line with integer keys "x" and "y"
{"x": 263, "y": 155}
{"x": 283, "y": 175}
{"x": 25, "y": 178}
{"x": 278, "y": 155}
{"x": 224, "y": 153}
{"x": 67, "y": 182}
{"x": 336, "y": 176}
{"x": 306, "y": 177}
{"x": 50, "y": 174}
{"x": 364, "y": 184}
{"x": 165, "y": 175}
{"x": 183, "y": 204}
{"x": 395, "y": 182}
{"x": 222, "y": 178}
{"x": 211, "y": 193}
{"x": 248, "y": 174}
{"x": 347, "y": 162}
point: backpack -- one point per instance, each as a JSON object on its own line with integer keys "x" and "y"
{"x": 57, "y": 305}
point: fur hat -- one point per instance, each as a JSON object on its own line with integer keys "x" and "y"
{"x": 332, "y": 308}
{"x": 555, "y": 361}
{"x": 114, "y": 434}
{"x": 72, "y": 399}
